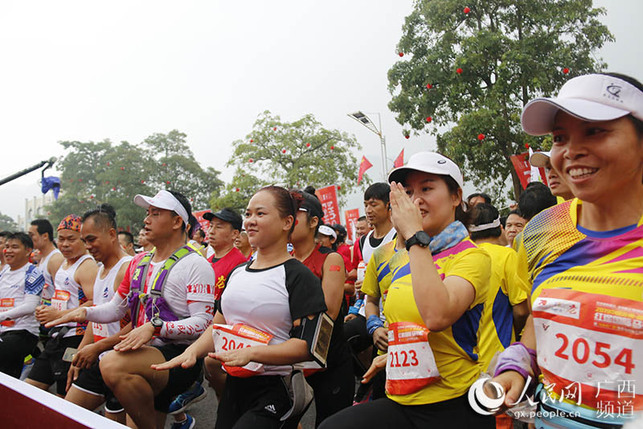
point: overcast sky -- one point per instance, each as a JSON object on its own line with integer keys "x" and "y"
{"x": 79, "y": 70}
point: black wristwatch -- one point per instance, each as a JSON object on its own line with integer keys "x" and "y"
{"x": 420, "y": 238}
{"x": 157, "y": 323}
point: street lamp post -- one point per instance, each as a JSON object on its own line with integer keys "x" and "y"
{"x": 368, "y": 123}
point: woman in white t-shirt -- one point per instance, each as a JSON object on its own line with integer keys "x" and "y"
{"x": 268, "y": 296}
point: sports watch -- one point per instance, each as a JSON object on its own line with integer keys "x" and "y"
{"x": 420, "y": 238}
{"x": 157, "y": 323}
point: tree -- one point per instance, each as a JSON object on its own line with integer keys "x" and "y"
{"x": 292, "y": 154}
{"x": 93, "y": 173}
{"x": 176, "y": 168}
{"x": 470, "y": 71}
{"x": 7, "y": 223}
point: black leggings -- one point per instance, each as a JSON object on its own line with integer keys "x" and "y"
{"x": 15, "y": 345}
{"x": 386, "y": 413}
{"x": 334, "y": 389}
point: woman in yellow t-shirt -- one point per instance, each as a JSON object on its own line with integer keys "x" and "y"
{"x": 437, "y": 293}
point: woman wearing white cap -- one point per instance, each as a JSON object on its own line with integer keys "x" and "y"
{"x": 585, "y": 334}
{"x": 439, "y": 285}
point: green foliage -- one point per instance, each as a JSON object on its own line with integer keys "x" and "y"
{"x": 292, "y": 154}
{"x": 509, "y": 52}
{"x": 7, "y": 223}
{"x": 93, "y": 173}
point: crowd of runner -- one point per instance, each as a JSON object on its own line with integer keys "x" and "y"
{"x": 441, "y": 311}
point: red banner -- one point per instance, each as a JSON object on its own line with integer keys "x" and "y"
{"x": 522, "y": 167}
{"x": 205, "y": 224}
{"x": 351, "y": 216}
{"x": 328, "y": 198}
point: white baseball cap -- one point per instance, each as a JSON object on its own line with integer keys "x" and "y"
{"x": 163, "y": 200}
{"x": 428, "y": 162}
{"x": 540, "y": 159}
{"x": 592, "y": 97}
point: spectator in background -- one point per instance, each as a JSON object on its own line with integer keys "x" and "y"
{"x": 126, "y": 240}
{"x": 3, "y": 241}
{"x": 199, "y": 237}
{"x": 556, "y": 184}
{"x": 534, "y": 199}
{"x": 327, "y": 236}
{"x": 514, "y": 225}
{"x": 478, "y": 198}
{"x": 341, "y": 247}
{"x": 144, "y": 244}
{"x": 361, "y": 227}
{"x": 242, "y": 243}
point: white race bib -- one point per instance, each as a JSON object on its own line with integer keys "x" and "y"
{"x": 589, "y": 342}
{"x": 100, "y": 331}
{"x": 7, "y": 304}
{"x": 60, "y": 299}
{"x": 239, "y": 336}
{"x": 410, "y": 364}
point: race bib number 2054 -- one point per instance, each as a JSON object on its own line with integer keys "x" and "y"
{"x": 589, "y": 339}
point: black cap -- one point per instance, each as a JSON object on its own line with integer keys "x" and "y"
{"x": 226, "y": 215}
{"x": 312, "y": 205}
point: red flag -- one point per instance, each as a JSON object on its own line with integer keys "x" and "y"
{"x": 363, "y": 166}
{"x": 399, "y": 161}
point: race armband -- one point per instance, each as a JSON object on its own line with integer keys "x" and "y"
{"x": 518, "y": 357}
{"x": 317, "y": 333}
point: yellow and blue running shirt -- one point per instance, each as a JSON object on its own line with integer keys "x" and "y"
{"x": 587, "y": 304}
{"x": 506, "y": 289}
{"x": 377, "y": 278}
{"x": 455, "y": 348}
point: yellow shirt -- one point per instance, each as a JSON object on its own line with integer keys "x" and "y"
{"x": 456, "y": 348}
{"x": 506, "y": 289}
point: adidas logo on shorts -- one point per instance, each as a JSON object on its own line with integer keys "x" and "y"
{"x": 270, "y": 408}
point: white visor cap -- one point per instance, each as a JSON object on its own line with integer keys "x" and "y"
{"x": 327, "y": 230}
{"x": 592, "y": 97}
{"x": 163, "y": 200}
{"x": 428, "y": 162}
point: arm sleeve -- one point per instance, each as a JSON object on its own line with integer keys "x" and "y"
{"x": 200, "y": 300}
{"x": 201, "y": 314}
{"x": 111, "y": 311}
{"x": 27, "y": 307}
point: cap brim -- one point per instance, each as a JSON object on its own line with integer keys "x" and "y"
{"x": 142, "y": 201}
{"x": 208, "y": 216}
{"x": 538, "y": 115}
{"x": 398, "y": 174}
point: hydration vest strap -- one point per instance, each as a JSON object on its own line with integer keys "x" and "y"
{"x": 161, "y": 276}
